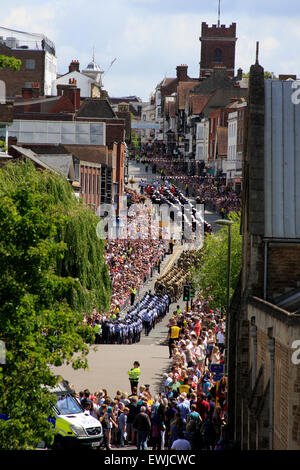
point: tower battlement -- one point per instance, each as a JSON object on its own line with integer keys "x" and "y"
{"x": 218, "y": 31}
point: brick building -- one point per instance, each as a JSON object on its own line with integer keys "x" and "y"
{"x": 39, "y": 62}
{"x": 96, "y": 142}
{"x": 264, "y": 321}
{"x": 217, "y": 48}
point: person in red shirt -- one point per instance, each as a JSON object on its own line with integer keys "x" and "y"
{"x": 202, "y": 406}
{"x": 197, "y": 327}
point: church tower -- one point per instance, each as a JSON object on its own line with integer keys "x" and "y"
{"x": 217, "y": 48}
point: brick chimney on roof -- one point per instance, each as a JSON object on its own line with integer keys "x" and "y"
{"x": 71, "y": 91}
{"x": 32, "y": 92}
{"x": 74, "y": 66}
{"x": 181, "y": 72}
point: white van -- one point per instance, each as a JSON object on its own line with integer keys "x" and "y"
{"x": 74, "y": 427}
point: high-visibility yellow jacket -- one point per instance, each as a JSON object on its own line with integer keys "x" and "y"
{"x": 134, "y": 374}
{"x": 97, "y": 329}
{"x": 174, "y": 333}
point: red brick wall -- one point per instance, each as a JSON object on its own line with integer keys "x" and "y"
{"x": 283, "y": 267}
{"x": 15, "y": 80}
{"x": 208, "y": 47}
{"x": 114, "y": 133}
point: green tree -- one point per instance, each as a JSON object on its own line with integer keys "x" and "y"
{"x": 266, "y": 75}
{"x": 45, "y": 287}
{"x": 15, "y": 64}
{"x": 10, "y": 62}
{"x": 211, "y": 276}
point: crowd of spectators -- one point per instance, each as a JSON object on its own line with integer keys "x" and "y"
{"x": 132, "y": 259}
{"x": 212, "y": 190}
{"x": 190, "y": 411}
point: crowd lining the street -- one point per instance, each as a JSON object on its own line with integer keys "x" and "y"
{"x": 189, "y": 413}
{"x": 213, "y": 190}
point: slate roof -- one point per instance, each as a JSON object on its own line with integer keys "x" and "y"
{"x": 59, "y": 163}
{"x": 62, "y": 163}
{"x": 96, "y": 108}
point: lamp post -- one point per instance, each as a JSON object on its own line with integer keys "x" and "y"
{"x": 227, "y": 223}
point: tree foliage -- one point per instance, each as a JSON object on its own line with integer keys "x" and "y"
{"x": 211, "y": 276}
{"x": 52, "y": 271}
{"x": 10, "y": 62}
{"x": 267, "y": 75}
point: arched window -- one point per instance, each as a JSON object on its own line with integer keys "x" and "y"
{"x": 218, "y": 56}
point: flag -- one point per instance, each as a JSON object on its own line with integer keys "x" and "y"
{"x": 113, "y": 62}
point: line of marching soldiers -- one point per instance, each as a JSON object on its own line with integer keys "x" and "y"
{"x": 149, "y": 311}
{"x": 173, "y": 280}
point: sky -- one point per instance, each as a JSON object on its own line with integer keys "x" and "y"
{"x": 149, "y": 38}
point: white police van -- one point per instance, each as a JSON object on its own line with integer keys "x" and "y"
{"x": 74, "y": 427}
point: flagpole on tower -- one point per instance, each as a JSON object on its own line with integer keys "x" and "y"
{"x": 219, "y": 14}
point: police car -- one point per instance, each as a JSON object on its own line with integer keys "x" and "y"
{"x": 74, "y": 427}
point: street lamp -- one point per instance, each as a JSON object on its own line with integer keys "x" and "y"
{"x": 227, "y": 223}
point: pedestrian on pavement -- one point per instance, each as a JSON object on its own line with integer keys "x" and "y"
{"x": 134, "y": 375}
{"x": 122, "y": 424}
{"x": 171, "y": 245}
{"x": 142, "y": 424}
{"x": 181, "y": 443}
{"x": 133, "y": 411}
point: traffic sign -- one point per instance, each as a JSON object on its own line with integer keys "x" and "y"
{"x": 218, "y": 377}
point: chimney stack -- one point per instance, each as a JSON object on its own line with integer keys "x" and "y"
{"x": 74, "y": 66}
{"x": 71, "y": 92}
{"x": 181, "y": 71}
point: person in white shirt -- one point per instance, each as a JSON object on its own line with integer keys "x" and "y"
{"x": 221, "y": 340}
{"x": 181, "y": 443}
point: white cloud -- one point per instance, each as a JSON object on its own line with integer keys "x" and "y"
{"x": 150, "y": 38}
{"x": 38, "y": 19}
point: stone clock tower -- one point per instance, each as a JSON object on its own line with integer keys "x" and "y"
{"x": 217, "y": 48}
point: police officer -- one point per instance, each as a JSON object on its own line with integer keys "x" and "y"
{"x": 173, "y": 335}
{"x": 134, "y": 375}
{"x": 132, "y": 295}
{"x": 97, "y": 331}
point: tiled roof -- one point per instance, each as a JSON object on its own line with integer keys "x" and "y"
{"x": 183, "y": 89}
{"x": 47, "y": 149}
{"x": 167, "y": 81}
{"x": 92, "y": 154}
{"x": 198, "y": 103}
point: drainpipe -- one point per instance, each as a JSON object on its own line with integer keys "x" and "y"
{"x": 265, "y": 269}
{"x": 271, "y": 348}
{"x": 253, "y": 335}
